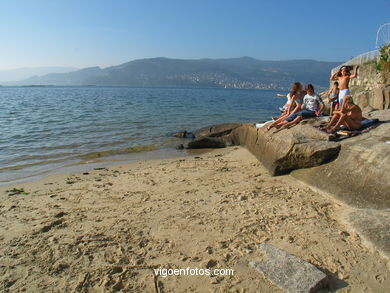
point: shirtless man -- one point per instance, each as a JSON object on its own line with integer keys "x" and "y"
{"x": 343, "y": 76}
{"x": 351, "y": 117}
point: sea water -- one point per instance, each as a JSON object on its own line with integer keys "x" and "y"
{"x": 49, "y": 128}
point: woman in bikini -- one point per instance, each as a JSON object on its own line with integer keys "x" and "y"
{"x": 296, "y": 95}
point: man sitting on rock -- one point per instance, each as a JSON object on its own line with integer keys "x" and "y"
{"x": 351, "y": 117}
{"x": 312, "y": 107}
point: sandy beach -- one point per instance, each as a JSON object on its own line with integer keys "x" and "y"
{"x": 108, "y": 229}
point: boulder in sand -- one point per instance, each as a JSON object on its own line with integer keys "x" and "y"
{"x": 282, "y": 151}
{"x": 289, "y": 272}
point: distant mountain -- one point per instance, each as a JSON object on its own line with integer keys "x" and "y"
{"x": 9, "y": 75}
{"x": 242, "y": 72}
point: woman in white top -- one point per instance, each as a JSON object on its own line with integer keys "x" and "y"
{"x": 293, "y": 106}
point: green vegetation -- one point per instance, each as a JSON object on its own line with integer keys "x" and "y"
{"x": 383, "y": 62}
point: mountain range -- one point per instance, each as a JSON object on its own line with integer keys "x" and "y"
{"x": 10, "y": 75}
{"x": 244, "y": 72}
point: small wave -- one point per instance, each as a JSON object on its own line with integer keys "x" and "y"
{"x": 23, "y": 166}
{"x": 135, "y": 149}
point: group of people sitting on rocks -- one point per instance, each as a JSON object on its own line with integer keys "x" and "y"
{"x": 302, "y": 104}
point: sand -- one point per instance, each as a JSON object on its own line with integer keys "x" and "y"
{"x": 107, "y": 230}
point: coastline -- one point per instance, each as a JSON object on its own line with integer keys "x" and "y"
{"x": 107, "y": 229}
{"x": 87, "y": 165}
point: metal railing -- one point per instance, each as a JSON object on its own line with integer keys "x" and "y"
{"x": 359, "y": 60}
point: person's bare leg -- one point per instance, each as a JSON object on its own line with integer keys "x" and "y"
{"x": 351, "y": 124}
{"x": 281, "y": 124}
{"x": 335, "y": 117}
{"x": 276, "y": 122}
{"x": 339, "y": 122}
{"x": 295, "y": 121}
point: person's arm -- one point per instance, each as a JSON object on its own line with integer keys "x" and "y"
{"x": 334, "y": 75}
{"x": 330, "y": 92}
{"x": 354, "y": 72}
{"x": 302, "y": 106}
{"x": 296, "y": 109}
{"x": 320, "y": 101}
{"x": 318, "y": 113}
{"x": 292, "y": 101}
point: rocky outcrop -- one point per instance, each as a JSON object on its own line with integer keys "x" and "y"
{"x": 218, "y": 130}
{"x": 377, "y": 98}
{"x": 355, "y": 170}
{"x": 214, "y": 136}
{"x": 302, "y": 146}
{"x": 360, "y": 175}
{"x": 206, "y": 142}
{"x": 184, "y": 134}
{"x": 373, "y": 225}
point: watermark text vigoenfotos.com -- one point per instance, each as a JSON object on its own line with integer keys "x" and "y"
{"x": 163, "y": 272}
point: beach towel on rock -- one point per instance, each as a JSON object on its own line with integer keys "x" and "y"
{"x": 366, "y": 126}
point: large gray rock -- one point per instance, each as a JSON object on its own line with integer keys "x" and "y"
{"x": 362, "y": 99}
{"x": 373, "y": 225}
{"x": 377, "y": 100}
{"x": 360, "y": 176}
{"x": 282, "y": 151}
{"x": 206, "y": 142}
{"x": 386, "y": 96}
{"x": 216, "y": 130}
{"x": 302, "y": 146}
{"x": 214, "y": 136}
{"x": 289, "y": 272}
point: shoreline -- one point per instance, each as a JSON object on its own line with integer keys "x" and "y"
{"x": 107, "y": 230}
{"x": 107, "y": 161}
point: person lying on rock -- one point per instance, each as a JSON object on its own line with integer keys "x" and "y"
{"x": 312, "y": 106}
{"x": 343, "y": 76}
{"x": 296, "y": 94}
{"x": 351, "y": 117}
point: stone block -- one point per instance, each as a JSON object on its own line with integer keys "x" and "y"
{"x": 362, "y": 99}
{"x": 377, "y": 99}
{"x": 386, "y": 95}
{"x": 289, "y": 272}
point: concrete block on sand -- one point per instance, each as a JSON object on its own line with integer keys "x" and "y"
{"x": 288, "y": 271}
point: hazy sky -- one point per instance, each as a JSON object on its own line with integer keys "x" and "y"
{"x": 88, "y": 33}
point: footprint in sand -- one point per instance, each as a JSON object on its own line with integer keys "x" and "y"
{"x": 53, "y": 224}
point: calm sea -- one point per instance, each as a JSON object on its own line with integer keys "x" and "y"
{"x": 50, "y": 128}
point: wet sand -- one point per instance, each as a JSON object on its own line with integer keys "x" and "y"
{"x": 106, "y": 230}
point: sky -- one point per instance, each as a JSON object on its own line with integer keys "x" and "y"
{"x": 86, "y": 33}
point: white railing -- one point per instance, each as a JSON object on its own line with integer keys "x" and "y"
{"x": 359, "y": 60}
